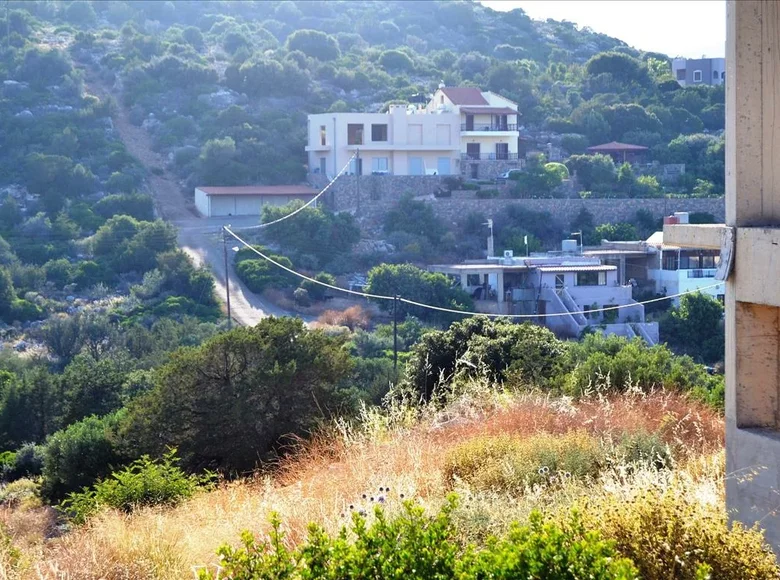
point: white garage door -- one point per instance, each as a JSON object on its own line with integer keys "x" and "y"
{"x": 248, "y": 204}
{"x": 223, "y": 205}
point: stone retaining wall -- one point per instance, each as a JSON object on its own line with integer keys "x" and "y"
{"x": 380, "y": 192}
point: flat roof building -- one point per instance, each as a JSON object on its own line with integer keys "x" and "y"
{"x": 247, "y": 200}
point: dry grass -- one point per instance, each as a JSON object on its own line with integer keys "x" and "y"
{"x": 330, "y": 473}
{"x": 353, "y": 318}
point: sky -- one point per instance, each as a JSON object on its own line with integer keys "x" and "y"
{"x": 687, "y": 28}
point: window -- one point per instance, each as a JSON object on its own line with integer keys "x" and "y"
{"x": 670, "y": 261}
{"x": 323, "y": 136}
{"x": 723, "y": 76}
{"x": 473, "y": 280}
{"x": 416, "y": 166}
{"x": 441, "y": 99}
{"x": 379, "y": 132}
{"x": 472, "y": 150}
{"x": 591, "y": 279}
{"x": 356, "y": 167}
{"x": 697, "y": 76}
{"x": 474, "y": 170}
{"x": 680, "y": 74}
{"x": 323, "y": 165}
{"x": 379, "y": 164}
{"x": 354, "y": 134}
{"x": 559, "y": 281}
{"x": 502, "y": 150}
{"x": 443, "y": 166}
{"x": 715, "y": 75}
{"x": 591, "y": 311}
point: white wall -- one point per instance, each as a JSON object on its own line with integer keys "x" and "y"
{"x": 202, "y": 202}
{"x": 429, "y": 136}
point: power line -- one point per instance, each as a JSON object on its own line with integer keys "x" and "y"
{"x": 463, "y": 312}
{"x": 308, "y": 203}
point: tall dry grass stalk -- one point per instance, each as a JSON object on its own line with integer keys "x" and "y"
{"x": 347, "y": 466}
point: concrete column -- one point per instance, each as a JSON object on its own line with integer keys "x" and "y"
{"x": 500, "y": 285}
{"x": 464, "y": 280}
{"x": 753, "y": 317}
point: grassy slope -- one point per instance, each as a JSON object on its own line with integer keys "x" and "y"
{"x": 328, "y": 475}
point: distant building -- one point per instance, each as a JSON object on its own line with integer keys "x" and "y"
{"x": 661, "y": 268}
{"x": 461, "y": 131}
{"x": 699, "y": 71}
{"x": 247, "y": 200}
{"x": 563, "y": 291}
{"x": 621, "y": 152}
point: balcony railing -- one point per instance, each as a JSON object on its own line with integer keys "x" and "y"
{"x": 489, "y": 156}
{"x": 486, "y": 127}
{"x": 702, "y": 273}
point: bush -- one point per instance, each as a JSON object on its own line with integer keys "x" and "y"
{"x": 413, "y": 546}
{"x": 143, "y": 483}
{"x": 669, "y": 533}
{"x": 353, "y": 318}
{"x": 317, "y": 292}
{"x": 412, "y": 283}
{"x": 27, "y": 462}
{"x": 79, "y": 455}
{"x": 20, "y": 493}
{"x": 258, "y": 275}
{"x": 487, "y": 193}
{"x": 481, "y": 347}
{"x": 511, "y": 465}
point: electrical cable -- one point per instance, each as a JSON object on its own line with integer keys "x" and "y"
{"x": 307, "y": 204}
{"x": 463, "y": 312}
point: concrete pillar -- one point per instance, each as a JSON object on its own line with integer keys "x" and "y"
{"x": 464, "y": 280}
{"x": 500, "y": 285}
{"x": 752, "y": 320}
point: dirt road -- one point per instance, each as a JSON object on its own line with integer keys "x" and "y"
{"x": 199, "y": 237}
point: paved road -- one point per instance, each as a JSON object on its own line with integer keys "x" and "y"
{"x": 199, "y": 237}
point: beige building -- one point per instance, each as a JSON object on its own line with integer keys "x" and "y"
{"x": 247, "y": 200}
{"x": 459, "y": 127}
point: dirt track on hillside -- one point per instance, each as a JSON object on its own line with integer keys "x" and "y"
{"x": 198, "y": 237}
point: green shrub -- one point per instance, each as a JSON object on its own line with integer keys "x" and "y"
{"x": 79, "y": 455}
{"x": 317, "y": 292}
{"x": 260, "y": 274}
{"x": 510, "y": 464}
{"x": 143, "y": 483}
{"x": 27, "y": 462}
{"x": 413, "y": 546}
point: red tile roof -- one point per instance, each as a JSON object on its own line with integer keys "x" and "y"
{"x": 260, "y": 190}
{"x": 615, "y": 146}
{"x": 465, "y": 95}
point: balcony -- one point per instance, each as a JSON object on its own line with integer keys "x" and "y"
{"x": 489, "y": 156}
{"x": 701, "y": 273}
{"x": 477, "y": 127}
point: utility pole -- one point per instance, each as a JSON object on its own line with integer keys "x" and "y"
{"x": 395, "y": 336}
{"x": 358, "y": 171}
{"x": 227, "y": 277}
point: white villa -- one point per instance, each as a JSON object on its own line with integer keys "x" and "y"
{"x": 459, "y": 130}
{"x": 564, "y": 291}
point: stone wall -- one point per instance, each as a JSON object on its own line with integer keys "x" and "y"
{"x": 380, "y": 192}
{"x": 488, "y": 168}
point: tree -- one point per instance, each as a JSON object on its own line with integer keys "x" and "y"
{"x": 79, "y": 455}
{"x": 396, "y": 61}
{"x": 314, "y": 44}
{"x": 412, "y": 283}
{"x": 593, "y": 171}
{"x": 696, "y": 327}
{"x": 227, "y": 403}
{"x": 30, "y": 408}
{"x": 329, "y": 236}
{"x": 414, "y": 217}
{"x": 615, "y": 232}
{"x": 475, "y": 346}
{"x": 622, "y": 67}
{"x": 7, "y": 293}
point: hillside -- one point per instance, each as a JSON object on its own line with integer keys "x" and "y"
{"x": 626, "y": 457}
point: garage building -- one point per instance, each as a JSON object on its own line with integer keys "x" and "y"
{"x": 247, "y": 200}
